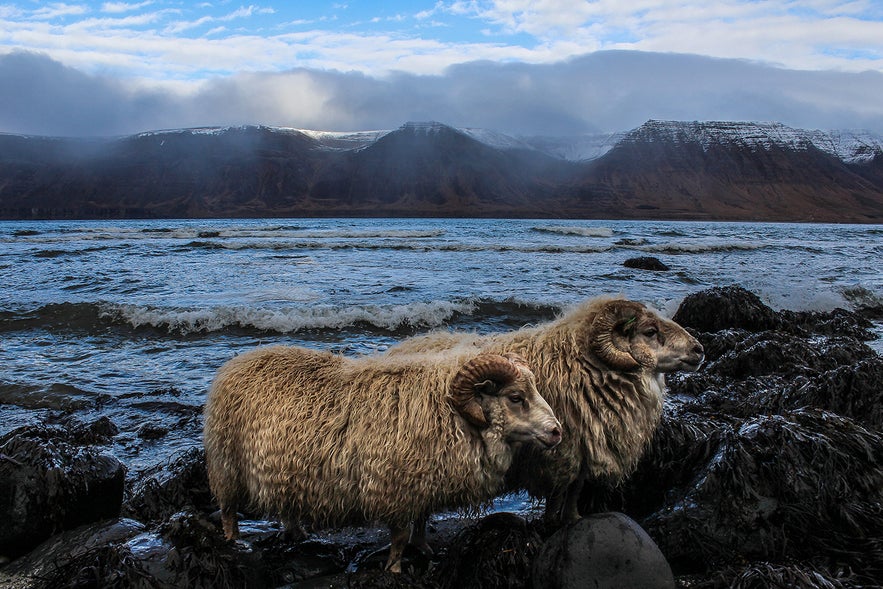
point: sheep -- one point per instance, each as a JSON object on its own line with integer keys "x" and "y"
{"x": 328, "y": 440}
{"x": 601, "y": 367}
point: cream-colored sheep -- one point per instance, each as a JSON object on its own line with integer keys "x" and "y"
{"x": 329, "y": 440}
{"x": 601, "y": 367}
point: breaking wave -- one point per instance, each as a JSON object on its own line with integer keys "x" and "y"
{"x": 582, "y": 231}
{"x": 404, "y": 318}
{"x": 700, "y": 248}
{"x": 392, "y": 246}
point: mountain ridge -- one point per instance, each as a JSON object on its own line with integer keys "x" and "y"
{"x": 661, "y": 169}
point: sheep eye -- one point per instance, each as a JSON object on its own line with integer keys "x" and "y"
{"x": 517, "y": 399}
{"x": 651, "y": 332}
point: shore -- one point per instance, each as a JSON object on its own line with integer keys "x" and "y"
{"x": 766, "y": 470}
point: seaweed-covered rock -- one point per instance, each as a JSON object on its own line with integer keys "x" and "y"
{"x": 767, "y": 575}
{"x": 87, "y": 556}
{"x": 772, "y": 352}
{"x": 496, "y": 552}
{"x": 852, "y": 390}
{"x": 646, "y": 263}
{"x": 169, "y": 487}
{"x": 49, "y": 484}
{"x": 725, "y": 308}
{"x": 838, "y": 322}
{"x": 604, "y": 551}
{"x": 804, "y": 485}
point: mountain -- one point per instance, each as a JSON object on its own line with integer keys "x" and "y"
{"x": 660, "y": 170}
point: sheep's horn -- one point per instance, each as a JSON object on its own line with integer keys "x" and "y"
{"x": 486, "y": 367}
{"x": 601, "y": 335}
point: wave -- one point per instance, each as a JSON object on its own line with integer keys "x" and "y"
{"x": 701, "y": 248}
{"x": 392, "y": 246}
{"x": 404, "y": 318}
{"x": 582, "y": 231}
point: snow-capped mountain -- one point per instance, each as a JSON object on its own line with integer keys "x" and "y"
{"x": 848, "y": 146}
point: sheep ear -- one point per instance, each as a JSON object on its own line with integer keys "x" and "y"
{"x": 487, "y": 387}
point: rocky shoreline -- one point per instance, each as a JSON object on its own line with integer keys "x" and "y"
{"x": 766, "y": 471}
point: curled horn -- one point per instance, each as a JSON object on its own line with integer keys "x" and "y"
{"x": 480, "y": 369}
{"x": 614, "y": 315}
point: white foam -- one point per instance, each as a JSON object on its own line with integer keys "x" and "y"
{"x": 583, "y": 231}
{"x": 287, "y": 319}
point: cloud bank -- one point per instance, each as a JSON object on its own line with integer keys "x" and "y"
{"x": 595, "y": 92}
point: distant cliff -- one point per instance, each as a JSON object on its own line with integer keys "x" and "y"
{"x": 661, "y": 170}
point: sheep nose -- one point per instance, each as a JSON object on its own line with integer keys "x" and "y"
{"x": 698, "y": 349}
{"x": 554, "y": 436}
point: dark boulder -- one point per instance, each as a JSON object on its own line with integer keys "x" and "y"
{"x": 604, "y": 551}
{"x": 169, "y": 487}
{"x": 646, "y": 263}
{"x": 807, "y": 484}
{"x": 838, "y": 322}
{"x": 852, "y": 390}
{"x": 725, "y": 308}
{"x": 88, "y": 556}
{"x": 776, "y": 352}
{"x": 50, "y": 483}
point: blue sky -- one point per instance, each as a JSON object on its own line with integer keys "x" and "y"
{"x": 286, "y": 63}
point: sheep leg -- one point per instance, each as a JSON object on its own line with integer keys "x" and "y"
{"x": 570, "y": 510}
{"x": 418, "y": 536}
{"x": 230, "y": 521}
{"x": 398, "y": 541}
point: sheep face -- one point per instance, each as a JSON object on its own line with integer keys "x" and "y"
{"x": 525, "y": 415}
{"x": 505, "y": 396}
{"x": 628, "y": 336}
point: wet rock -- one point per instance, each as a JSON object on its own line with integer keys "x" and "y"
{"x": 838, "y": 322}
{"x": 763, "y": 575}
{"x": 725, "y": 308}
{"x": 167, "y": 488}
{"x": 852, "y": 390}
{"x": 772, "y": 352}
{"x": 100, "y": 432}
{"x": 49, "y": 484}
{"x": 498, "y": 551}
{"x": 646, "y": 263}
{"x": 604, "y": 551}
{"x": 87, "y": 556}
{"x": 151, "y": 431}
{"x": 796, "y": 486}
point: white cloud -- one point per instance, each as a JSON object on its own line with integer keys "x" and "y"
{"x": 118, "y": 7}
{"x": 58, "y": 9}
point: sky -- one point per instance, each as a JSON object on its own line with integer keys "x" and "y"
{"x": 523, "y": 67}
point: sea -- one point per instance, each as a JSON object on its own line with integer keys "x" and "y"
{"x": 130, "y": 320}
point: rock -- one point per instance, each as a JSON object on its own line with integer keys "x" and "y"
{"x": 646, "y": 263}
{"x": 838, "y": 322}
{"x": 49, "y": 484}
{"x": 854, "y": 391}
{"x": 168, "y": 488}
{"x": 603, "y": 551}
{"x": 495, "y": 552}
{"x": 725, "y": 308}
{"x": 796, "y": 486}
{"x": 83, "y": 557}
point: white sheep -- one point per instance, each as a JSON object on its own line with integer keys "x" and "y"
{"x": 601, "y": 367}
{"x": 328, "y": 440}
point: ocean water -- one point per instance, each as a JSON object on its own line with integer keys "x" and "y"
{"x": 131, "y": 319}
